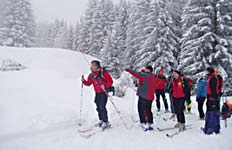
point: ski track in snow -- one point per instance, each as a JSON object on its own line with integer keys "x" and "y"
{"x": 39, "y": 109}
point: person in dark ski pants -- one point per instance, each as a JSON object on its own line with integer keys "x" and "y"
{"x": 101, "y": 82}
{"x": 178, "y": 98}
{"x": 145, "y": 92}
{"x": 212, "y": 119}
{"x": 169, "y": 90}
{"x": 160, "y": 90}
{"x": 201, "y": 96}
{"x": 188, "y": 92}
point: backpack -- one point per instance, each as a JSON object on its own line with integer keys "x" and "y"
{"x": 111, "y": 88}
{"x": 186, "y": 87}
{"x": 225, "y": 112}
{"x": 212, "y": 122}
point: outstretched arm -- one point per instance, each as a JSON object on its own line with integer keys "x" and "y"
{"x": 136, "y": 74}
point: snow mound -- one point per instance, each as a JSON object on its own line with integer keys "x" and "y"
{"x": 11, "y": 65}
{"x": 40, "y": 109}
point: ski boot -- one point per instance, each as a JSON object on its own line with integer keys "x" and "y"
{"x": 99, "y": 124}
{"x": 148, "y": 127}
{"x": 105, "y": 125}
{"x": 182, "y": 127}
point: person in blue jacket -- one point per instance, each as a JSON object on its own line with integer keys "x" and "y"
{"x": 201, "y": 96}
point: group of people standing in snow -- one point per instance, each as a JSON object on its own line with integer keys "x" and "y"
{"x": 178, "y": 86}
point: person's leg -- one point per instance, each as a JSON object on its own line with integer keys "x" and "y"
{"x": 200, "y": 107}
{"x": 158, "y": 100}
{"x": 181, "y": 110}
{"x": 201, "y": 101}
{"x": 101, "y": 102}
{"x": 149, "y": 112}
{"x": 189, "y": 102}
{"x": 164, "y": 100}
{"x": 171, "y": 102}
{"x": 176, "y": 109}
{"x": 97, "y": 102}
{"x": 141, "y": 111}
{"x": 217, "y": 125}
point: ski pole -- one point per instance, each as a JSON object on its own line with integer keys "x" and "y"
{"x": 117, "y": 110}
{"x": 80, "y": 123}
{"x": 84, "y": 57}
{"x": 158, "y": 121}
{"x": 132, "y": 108}
{"x": 225, "y": 120}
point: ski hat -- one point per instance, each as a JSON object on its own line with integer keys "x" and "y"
{"x": 177, "y": 71}
{"x": 149, "y": 68}
{"x": 216, "y": 71}
{"x": 96, "y": 62}
{"x": 171, "y": 70}
{"x": 210, "y": 69}
{"x": 161, "y": 71}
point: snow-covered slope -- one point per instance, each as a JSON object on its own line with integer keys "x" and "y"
{"x": 39, "y": 109}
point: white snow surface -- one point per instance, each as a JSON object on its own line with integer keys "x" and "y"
{"x": 39, "y": 110}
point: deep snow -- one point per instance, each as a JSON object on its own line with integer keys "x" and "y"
{"x": 39, "y": 109}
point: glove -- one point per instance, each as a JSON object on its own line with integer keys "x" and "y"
{"x": 143, "y": 70}
{"x": 82, "y": 78}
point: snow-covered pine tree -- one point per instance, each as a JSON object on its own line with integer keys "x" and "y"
{"x": 161, "y": 44}
{"x": 205, "y": 39}
{"x": 52, "y": 32}
{"x": 103, "y": 20}
{"x": 83, "y": 43}
{"x": 76, "y": 37}
{"x": 71, "y": 38}
{"x": 18, "y": 25}
{"x": 175, "y": 9}
{"x": 115, "y": 46}
{"x": 1, "y": 18}
{"x": 109, "y": 57}
{"x": 86, "y": 23}
{"x": 224, "y": 42}
{"x": 61, "y": 38}
{"x": 130, "y": 50}
{"x": 136, "y": 33}
{"x": 41, "y": 34}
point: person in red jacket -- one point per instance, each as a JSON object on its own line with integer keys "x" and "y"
{"x": 101, "y": 82}
{"x": 212, "y": 119}
{"x": 178, "y": 98}
{"x": 160, "y": 90}
{"x": 145, "y": 92}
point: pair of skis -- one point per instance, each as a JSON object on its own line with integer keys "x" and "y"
{"x": 89, "y": 132}
{"x": 171, "y": 135}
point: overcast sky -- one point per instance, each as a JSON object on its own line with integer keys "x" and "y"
{"x": 48, "y": 10}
